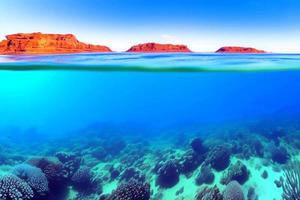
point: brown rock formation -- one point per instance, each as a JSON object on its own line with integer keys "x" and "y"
{"x": 38, "y": 43}
{"x": 155, "y": 47}
{"x": 232, "y": 49}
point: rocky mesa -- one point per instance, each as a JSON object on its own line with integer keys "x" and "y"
{"x": 158, "y": 48}
{"x": 39, "y": 43}
{"x": 235, "y": 49}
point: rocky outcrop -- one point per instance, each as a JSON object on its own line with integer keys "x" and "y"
{"x": 232, "y": 49}
{"x": 39, "y": 43}
{"x": 158, "y": 48}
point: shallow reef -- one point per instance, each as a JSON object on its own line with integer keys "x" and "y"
{"x": 244, "y": 161}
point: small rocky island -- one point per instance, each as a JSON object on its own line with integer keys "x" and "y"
{"x": 235, "y": 49}
{"x": 39, "y": 43}
{"x": 158, "y": 48}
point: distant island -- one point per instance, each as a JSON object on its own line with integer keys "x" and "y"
{"x": 39, "y": 43}
{"x": 155, "y": 47}
{"x": 235, "y": 49}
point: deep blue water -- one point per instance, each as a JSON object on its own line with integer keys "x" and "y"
{"x": 226, "y": 88}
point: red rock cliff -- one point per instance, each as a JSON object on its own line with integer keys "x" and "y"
{"x": 230, "y": 49}
{"x": 154, "y": 47}
{"x": 38, "y": 43}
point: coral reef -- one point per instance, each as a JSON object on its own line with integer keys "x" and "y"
{"x": 168, "y": 174}
{"x": 291, "y": 184}
{"x": 233, "y": 191}
{"x": 207, "y": 193}
{"x": 190, "y": 161}
{"x": 279, "y": 155}
{"x": 197, "y": 146}
{"x": 218, "y": 157}
{"x": 130, "y": 191}
{"x": 230, "y": 164}
{"x": 34, "y": 176}
{"x": 82, "y": 181}
{"x": 205, "y": 175}
{"x": 14, "y": 188}
{"x": 132, "y": 174}
{"x": 237, "y": 172}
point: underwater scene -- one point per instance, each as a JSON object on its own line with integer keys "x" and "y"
{"x": 159, "y": 126}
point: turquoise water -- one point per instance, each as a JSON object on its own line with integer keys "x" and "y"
{"x": 149, "y": 98}
{"x": 134, "y": 92}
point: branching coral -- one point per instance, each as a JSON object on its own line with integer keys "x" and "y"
{"x": 291, "y": 185}
{"x": 33, "y": 176}
{"x": 14, "y": 188}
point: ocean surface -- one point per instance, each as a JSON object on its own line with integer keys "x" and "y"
{"x": 145, "y": 113}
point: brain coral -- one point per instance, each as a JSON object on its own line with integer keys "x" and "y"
{"x": 132, "y": 190}
{"x": 233, "y": 191}
{"x": 14, "y": 188}
{"x": 34, "y": 176}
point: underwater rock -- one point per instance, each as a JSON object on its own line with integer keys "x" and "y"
{"x": 278, "y": 183}
{"x": 258, "y": 148}
{"x": 99, "y": 153}
{"x": 81, "y": 196}
{"x": 14, "y": 188}
{"x": 130, "y": 191}
{"x": 114, "y": 173}
{"x": 33, "y": 176}
{"x": 264, "y": 175}
{"x": 65, "y": 156}
{"x": 114, "y": 146}
{"x": 197, "y": 146}
{"x": 205, "y": 176}
{"x": 155, "y": 47}
{"x": 132, "y": 174}
{"x": 233, "y": 191}
{"x": 39, "y": 43}
{"x": 251, "y": 195}
{"x": 133, "y": 155}
{"x": 207, "y": 193}
{"x": 104, "y": 197}
{"x": 279, "y": 155}
{"x": 180, "y": 191}
{"x": 275, "y": 134}
{"x": 168, "y": 174}
{"x": 237, "y": 172}
{"x": 190, "y": 161}
{"x": 218, "y": 157}
{"x": 82, "y": 181}
{"x": 233, "y": 49}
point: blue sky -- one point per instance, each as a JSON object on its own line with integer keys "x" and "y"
{"x": 204, "y": 25}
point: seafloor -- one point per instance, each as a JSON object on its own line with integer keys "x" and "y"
{"x": 232, "y": 161}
